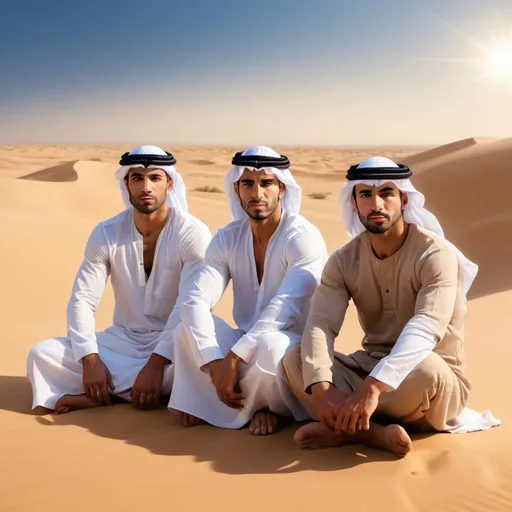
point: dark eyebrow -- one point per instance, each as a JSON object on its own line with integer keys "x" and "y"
{"x": 247, "y": 180}
{"x": 365, "y": 191}
{"x": 140, "y": 175}
{"x": 387, "y": 189}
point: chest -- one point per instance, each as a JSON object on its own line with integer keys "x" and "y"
{"x": 148, "y": 251}
{"x": 386, "y": 285}
{"x": 259, "y": 253}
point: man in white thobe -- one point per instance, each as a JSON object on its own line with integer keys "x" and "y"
{"x": 151, "y": 251}
{"x": 274, "y": 257}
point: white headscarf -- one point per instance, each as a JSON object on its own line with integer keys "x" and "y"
{"x": 293, "y": 192}
{"x": 414, "y": 213}
{"x": 176, "y": 197}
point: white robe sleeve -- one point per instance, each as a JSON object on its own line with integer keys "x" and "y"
{"x": 87, "y": 291}
{"x": 434, "y": 308}
{"x": 192, "y": 251}
{"x": 306, "y": 255}
{"x": 208, "y": 288}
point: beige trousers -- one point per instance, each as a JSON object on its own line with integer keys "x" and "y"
{"x": 431, "y": 392}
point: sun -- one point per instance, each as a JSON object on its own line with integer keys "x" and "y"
{"x": 498, "y": 59}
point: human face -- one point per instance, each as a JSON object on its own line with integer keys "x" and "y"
{"x": 259, "y": 193}
{"x": 379, "y": 208}
{"x": 147, "y": 188}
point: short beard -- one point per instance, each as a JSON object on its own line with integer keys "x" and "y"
{"x": 261, "y": 216}
{"x": 376, "y": 229}
{"x": 146, "y": 209}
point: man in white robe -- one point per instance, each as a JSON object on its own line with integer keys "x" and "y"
{"x": 151, "y": 251}
{"x": 274, "y": 258}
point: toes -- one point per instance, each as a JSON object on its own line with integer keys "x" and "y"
{"x": 255, "y": 426}
{"x": 271, "y": 423}
{"x": 264, "y": 424}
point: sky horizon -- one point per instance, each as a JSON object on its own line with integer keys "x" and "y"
{"x": 407, "y": 72}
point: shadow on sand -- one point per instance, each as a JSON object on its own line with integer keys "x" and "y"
{"x": 160, "y": 432}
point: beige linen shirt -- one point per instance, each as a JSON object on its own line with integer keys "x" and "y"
{"x": 407, "y": 304}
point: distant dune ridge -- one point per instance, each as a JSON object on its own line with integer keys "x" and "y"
{"x": 59, "y": 173}
{"x": 54, "y": 196}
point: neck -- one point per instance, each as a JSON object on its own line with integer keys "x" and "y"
{"x": 386, "y": 244}
{"x": 262, "y": 230}
{"x": 148, "y": 224}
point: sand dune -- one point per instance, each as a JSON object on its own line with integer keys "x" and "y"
{"x": 201, "y": 162}
{"x": 469, "y": 194}
{"x": 446, "y": 149}
{"x": 59, "y": 173}
{"x": 116, "y": 458}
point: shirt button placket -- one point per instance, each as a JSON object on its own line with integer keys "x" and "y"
{"x": 386, "y": 286}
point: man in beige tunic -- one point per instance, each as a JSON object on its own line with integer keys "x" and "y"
{"x": 409, "y": 286}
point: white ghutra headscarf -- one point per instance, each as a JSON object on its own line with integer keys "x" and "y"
{"x": 176, "y": 197}
{"x": 263, "y": 156}
{"x": 414, "y": 213}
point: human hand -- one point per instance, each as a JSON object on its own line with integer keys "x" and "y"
{"x": 147, "y": 387}
{"x": 225, "y": 375}
{"x": 96, "y": 378}
{"x": 358, "y": 408}
{"x": 328, "y": 400}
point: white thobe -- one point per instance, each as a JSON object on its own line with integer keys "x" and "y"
{"x": 270, "y": 318}
{"x": 146, "y": 308}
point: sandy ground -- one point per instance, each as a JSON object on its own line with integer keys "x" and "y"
{"x": 116, "y": 458}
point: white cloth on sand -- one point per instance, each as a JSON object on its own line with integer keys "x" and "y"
{"x": 411, "y": 349}
{"x": 269, "y": 316}
{"x": 146, "y": 309}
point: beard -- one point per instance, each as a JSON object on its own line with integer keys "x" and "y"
{"x": 262, "y": 215}
{"x": 147, "y": 209}
{"x": 378, "y": 229}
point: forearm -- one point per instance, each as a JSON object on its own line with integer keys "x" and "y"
{"x": 81, "y": 328}
{"x": 280, "y": 313}
{"x": 165, "y": 344}
{"x": 87, "y": 290}
{"x": 328, "y": 309}
{"x": 317, "y": 352}
{"x": 413, "y": 346}
{"x": 199, "y": 329}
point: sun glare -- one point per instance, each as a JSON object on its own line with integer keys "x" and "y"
{"x": 499, "y": 59}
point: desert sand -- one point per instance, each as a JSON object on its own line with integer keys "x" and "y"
{"x": 117, "y": 458}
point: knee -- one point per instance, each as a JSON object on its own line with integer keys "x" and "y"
{"x": 292, "y": 365}
{"x": 270, "y": 350}
{"x": 38, "y": 351}
{"x": 431, "y": 373}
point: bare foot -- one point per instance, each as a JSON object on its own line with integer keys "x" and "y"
{"x": 68, "y": 403}
{"x": 265, "y": 423}
{"x": 316, "y": 435}
{"x": 392, "y": 438}
{"x": 190, "y": 421}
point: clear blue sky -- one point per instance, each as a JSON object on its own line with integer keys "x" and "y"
{"x": 237, "y": 72}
